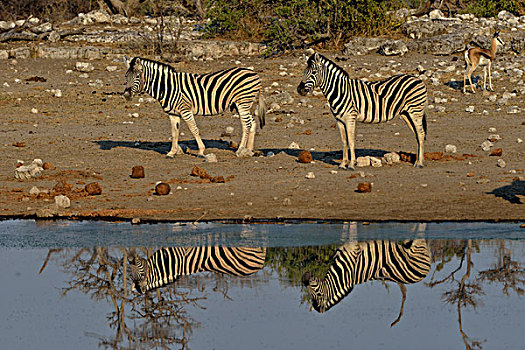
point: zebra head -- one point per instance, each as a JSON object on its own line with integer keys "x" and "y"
{"x": 312, "y": 75}
{"x": 139, "y": 270}
{"x": 315, "y": 292}
{"x": 134, "y": 77}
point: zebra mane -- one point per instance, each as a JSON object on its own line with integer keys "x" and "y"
{"x": 157, "y": 63}
{"x": 331, "y": 64}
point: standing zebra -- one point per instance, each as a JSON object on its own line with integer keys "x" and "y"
{"x": 185, "y": 95}
{"x": 354, "y": 100}
{"x": 166, "y": 265}
{"x": 358, "y": 262}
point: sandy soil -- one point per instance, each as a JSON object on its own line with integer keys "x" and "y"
{"x": 89, "y": 136}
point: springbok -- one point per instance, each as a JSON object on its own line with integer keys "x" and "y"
{"x": 475, "y": 57}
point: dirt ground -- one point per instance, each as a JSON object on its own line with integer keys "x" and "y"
{"x": 89, "y": 135}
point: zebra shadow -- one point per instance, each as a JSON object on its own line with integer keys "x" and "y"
{"x": 330, "y": 157}
{"x": 511, "y": 192}
{"x": 162, "y": 147}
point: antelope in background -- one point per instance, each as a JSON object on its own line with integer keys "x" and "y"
{"x": 475, "y": 57}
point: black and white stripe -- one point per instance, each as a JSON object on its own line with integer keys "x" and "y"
{"x": 355, "y": 263}
{"x": 166, "y": 265}
{"x": 186, "y": 95}
{"x": 354, "y": 100}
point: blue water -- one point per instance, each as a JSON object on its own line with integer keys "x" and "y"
{"x": 79, "y": 297}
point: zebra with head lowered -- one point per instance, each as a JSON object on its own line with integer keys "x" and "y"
{"x": 166, "y": 265}
{"x": 186, "y": 95}
{"x": 359, "y": 262}
{"x": 354, "y": 100}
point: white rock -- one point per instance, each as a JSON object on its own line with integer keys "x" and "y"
{"x": 501, "y": 163}
{"x": 375, "y": 162}
{"x": 333, "y": 171}
{"x": 62, "y": 201}
{"x": 229, "y": 130}
{"x": 6, "y": 84}
{"x": 470, "y": 109}
{"x": 54, "y": 36}
{"x": 363, "y": 161}
{"x": 435, "y": 14}
{"x": 34, "y": 191}
{"x": 310, "y": 175}
{"x": 513, "y": 110}
{"x": 25, "y": 172}
{"x": 440, "y": 109}
{"x": 111, "y": 68}
{"x": 486, "y": 145}
{"x": 270, "y": 154}
{"x": 494, "y": 137}
{"x": 210, "y": 158}
{"x": 392, "y": 158}
{"x": 492, "y": 130}
{"x": 518, "y": 140}
{"x": 58, "y": 93}
{"x": 84, "y": 67}
{"x": 84, "y": 75}
{"x": 34, "y": 110}
{"x": 293, "y": 145}
{"x": 451, "y": 149}
{"x": 485, "y": 112}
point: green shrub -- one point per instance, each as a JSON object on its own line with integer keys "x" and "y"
{"x": 490, "y": 8}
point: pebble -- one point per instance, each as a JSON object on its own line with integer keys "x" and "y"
{"x": 501, "y": 163}
{"x": 58, "y": 93}
{"x": 293, "y": 145}
{"x": 62, "y": 201}
{"x": 287, "y": 201}
{"x": 392, "y": 158}
{"x": 451, "y": 149}
{"x": 93, "y": 189}
{"x": 494, "y": 137}
{"x": 375, "y": 162}
{"x": 111, "y": 68}
{"x": 496, "y": 152}
{"x": 440, "y": 109}
{"x": 470, "y": 109}
{"x": 363, "y": 161}
{"x": 492, "y": 130}
{"x": 25, "y": 172}
{"x": 333, "y": 171}
{"x": 486, "y": 145}
{"x": 270, "y": 154}
{"x": 135, "y": 221}
{"x": 305, "y": 157}
{"x": 84, "y": 67}
{"x": 518, "y": 140}
{"x": 513, "y": 110}
{"x": 34, "y": 191}
{"x": 34, "y": 110}
{"x": 310, "y": 175}
{"x": 210, "y": 158}
{"x": 483, "y": 181}
{"x": 485, "y": 112}
{"x": 137, "y": 172}
{"x": 229, "y": 130}
{"x": 364, "y": 187}
{"x": 162, "y": 189}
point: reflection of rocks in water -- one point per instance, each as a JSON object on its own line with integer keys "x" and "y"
{"x": 359, "y": 262}
{"x": 168, "y": 264}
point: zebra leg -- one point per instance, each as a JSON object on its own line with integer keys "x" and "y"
{"x": 415, "y": 123}
{"x": 175, "y": 128}
{"x": 190, "y": 121}
{"x": 403, "y": 289}
{"x": 342, "y": 131}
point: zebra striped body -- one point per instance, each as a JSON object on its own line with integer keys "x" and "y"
{"x": 167, "y": 264}
{"x": 186, "y": 95}
{"x": 354, "y": 100}
{"x": 356, "y": 263}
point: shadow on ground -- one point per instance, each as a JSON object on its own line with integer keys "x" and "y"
{"x": 511, "y": 192}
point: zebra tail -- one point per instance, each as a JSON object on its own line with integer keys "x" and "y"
{"x": 425, "y": 124}
{"x": 261, "y": 110}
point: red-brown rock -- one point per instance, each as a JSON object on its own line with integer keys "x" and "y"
{"x": 48, "y": 166}
{"x": 497, "y": 152}
{"x": 305, "y": 157}
{"x": 137, "y": 172}
{"x": 364, "y": 187}
{"x": 200, "y": 172}
{"x": 93, "y": 189}
{"x": 162, "y": 189}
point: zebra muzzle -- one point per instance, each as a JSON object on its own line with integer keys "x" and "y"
{"x": 127, "y": 94}
{"x": 302, "y": 89}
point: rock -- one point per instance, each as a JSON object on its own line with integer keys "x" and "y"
{"x": 54, "y": 36}
{"x": 135, "y": 221}
{"x": 212, "y": 158}
{"x": 218, "y": 179}
{"x": 375, "y": 162}
{"x": 305, "y": 157}
{"x": 505, "y": 15}
{"x": 58, "y": 93}
{"x": 34, "y": 191}
{"x": 445, "y": 44}
{"x": 501, "y": 163}
{"x": 162, "y": 189}
{"x": 361, "y": 46}
{"x": 25, "y": 172}
{"x": 93, "y": 189}
{"x": 450, "y": 149}
{"x": 518, "y": 140}
{"x": 423, "y": 29}
{"x": 494, "y": 137}
{"x": 62, "y": 201}
{"x": 287, "y": 201}
{"x": 364, "y": 187}
{"x": 42, "y": 28}
{"x": 229, "y": 130}
{"x": 469, "y": 109}
{"x": 486, "y": 145}
{"x": 48, "y": 166}
{"x": 492, "y": 130}
{"x": 513, "y": 110}
{"x": 392, "y": 158}
{"x": 270, "y": 154}
{"x": 393, "y": 48}
{"x": 440, "y": 109}
{"x": 199, "y": 172}
{"x": 436, "y": 14}
{"x": 363, "y": 161}
{"x": 274, "y": 106}
{"x": 310, "y": 175}
{"x": 7, "y": 25}
{"x": 34, "y": 110}
{"x": 293, "y": 145}
{"x": 84, "y": 67}
{"x": 137, "y": 172}
{"x": 497, "y": 152}
{"x": 111, "y": 68}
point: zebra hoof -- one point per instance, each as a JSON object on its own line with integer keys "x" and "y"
{"x": 419, "y": 166}
{"x": 170, "y": 155}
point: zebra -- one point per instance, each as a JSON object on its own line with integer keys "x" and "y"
{"x": 186, "y": 95}
{"x": 166, "y": 265}
{"x": 354, "y": 100}
{"x": 358, "y": 262}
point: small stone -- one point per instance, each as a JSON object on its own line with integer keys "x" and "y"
{"x": 229, "y": 130}
{"x": 333, "y": 171}
{"x": 501, "y": 163}
{"x": 93, "y": 189}
{"x": 450, "y": 149}
{"x": 486, "y": 145}
{"x": 84, "y": 67}
{"x": 270, "y": 154}
{"x": 513, "y": 110}
{"x": 134, "y": 115}
{"x": 497, "y": 152}
{"x": 111, "y": 68}
{"x": 305, "y": 157}
{"x": 363, "y": 161}
{"x": 62, "y": 201}
{"x": 293, "y": 145}
{"x": 492, "y": 130}
{"x": 162, "y": 189}
{"x": 210, "y": 158}
{"x": 470, "y": 109}
{"x": 482, "y": 181}
{"x": 34, "y": 191}
{"x": 287, "y": 201}
{"x": 58, "y": 93}
{"x": 199, "y": 172}
{"x": 494, "y": 137}
{"x": 518, "y": 140}
{"x": 485, "y": 112}
{"x": 310, "y": 175}
{"x": 48, "y": 166}
{"x": 135, "y": 221}
{"x": 364, "y": 187}
{"x": 218, "y": 179}
{"x": 375, "y": 162}
{"x": 34, "y": 110}
{"x": 137, "y": 172}
{"x": 392, "y": 158}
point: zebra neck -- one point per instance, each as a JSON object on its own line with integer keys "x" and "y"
{"x": 334, "y": 80}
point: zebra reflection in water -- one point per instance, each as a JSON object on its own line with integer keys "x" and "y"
{"x": 166, "y": 265}
{"x": 358, "y": 262}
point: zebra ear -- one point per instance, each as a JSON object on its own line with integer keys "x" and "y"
{"x": 138, "y": 64}
{"x": 127, "y": 61}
